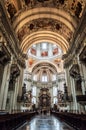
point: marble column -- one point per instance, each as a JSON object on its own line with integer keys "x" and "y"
{"x": 82, "y": 76}
{"x": 15, "y": 94}
{"x": 21, "y": 81}
{"x": 4, "y": 86}
{"x": 70, "y": 89}
{"x": 75, "y": 107}
{"x": 71, "y": 93}
{"x": 11, "y": 95}
{"x": 68, "y": 83}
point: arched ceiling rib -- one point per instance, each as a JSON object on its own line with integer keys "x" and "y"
{"x": 64, "y": 12}
{"x": 27, "y": 17}
{"x": 42, "y": 64}
{"x": 44, "y": 36}
{"x": 53, "y": 13}
{"x": 26, "y": 14}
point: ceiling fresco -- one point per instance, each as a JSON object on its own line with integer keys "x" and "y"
{"x": 45, "y": 24}
{"x": 74, "y": 7}
{"x": 54, "y": 21}
{"x": 32, "y": 16}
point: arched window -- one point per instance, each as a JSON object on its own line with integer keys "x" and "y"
{"x": 44, "y": 46}
{"x": 44, "y": 78}
{"x": 34, "y": 91}
{"x": 54, "y": 91}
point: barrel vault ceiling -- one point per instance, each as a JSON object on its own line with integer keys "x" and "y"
{"x": 53, "y": 21}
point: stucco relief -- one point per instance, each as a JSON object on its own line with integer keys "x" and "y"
{"x": 44, "y": 24}
{"x": 11, "y": 9}
{"x": 73, "y": 7}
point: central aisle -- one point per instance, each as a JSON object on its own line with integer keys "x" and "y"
{"x": 44, "y": 122}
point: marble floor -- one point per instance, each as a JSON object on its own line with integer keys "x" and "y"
{"x": 44, "y": 122}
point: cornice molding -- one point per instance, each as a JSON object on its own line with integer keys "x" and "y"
{"x": 42, "y": 24}
{"x": 68, "y": 7}
{"x": 77, "y": 42}
{"x": 12, "y": 48}
{"x": 10, "y": 37}
{"x": 68, "y": 58}
{"x": 79, "y": 35}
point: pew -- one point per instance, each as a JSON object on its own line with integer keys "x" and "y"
{"x": 13, "y": 121}
{"x": 77, "y": 121}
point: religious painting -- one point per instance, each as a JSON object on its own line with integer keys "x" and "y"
{"x": 21, "y": 33}
{"x": 33, "y": 51}
{"x": 30, "y": 61}
{"x": 55, "y": 51}
{"x": 44, "y": 53}
{"x": 57, "y": 61}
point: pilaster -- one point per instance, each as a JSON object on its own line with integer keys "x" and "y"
{"x": 15, "y": 94}
{"x": 4, "y": 86}
{"x": 82, "y": 70}
{"x": 75, "y": 107}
